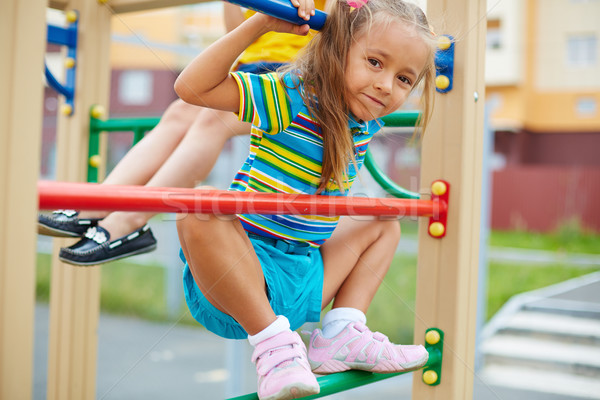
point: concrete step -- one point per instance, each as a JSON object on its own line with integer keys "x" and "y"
{"x": 553, "y": 326}
{"x": 542, "y": 354}
{"x": 554, "y": 384}
{"x": 574, "y": 308}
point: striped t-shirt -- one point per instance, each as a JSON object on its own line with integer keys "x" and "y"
{"x": 286, "y": 154}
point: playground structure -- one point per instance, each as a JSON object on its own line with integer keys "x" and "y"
{"x": 451, "y": 151}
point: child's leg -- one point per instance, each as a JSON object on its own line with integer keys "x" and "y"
{"x": 154, "y": 162}
{"x": 144, "y": 159}
{"x": 190, "y": 162}
{"x": 135, "y": 168}
{"x": 226, "y": 268}
{"x": 356, "y": 259}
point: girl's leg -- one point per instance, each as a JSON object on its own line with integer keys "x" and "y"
{"x": 356, "y": 259}
{"x": 145, "y": 158}
{"x": 190, "y": 162}
{"x": 226, "y": 268}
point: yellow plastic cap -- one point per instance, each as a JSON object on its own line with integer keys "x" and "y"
{"x": 430, "y": 377}
{"x": 444, "y": 43}
{"x": 71, "y": 16}
{"x": 95, "y": 161}
{"x": 69, "y": 62}
{"x": 66, "y": 109}
{"x": 442, "y": 82}
{"x": 432, "y": 337}
{"x": 439, "y": 188}
{"x": 436, "y": 229}
{"x": 97, "y": 111}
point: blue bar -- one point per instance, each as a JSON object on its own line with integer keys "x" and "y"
{"x": 62, "y": 36}
{"x": 283, "y": 9}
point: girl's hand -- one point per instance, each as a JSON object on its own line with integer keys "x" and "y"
{"x": 272, "y": 24}
{"x": 306, "y": 8}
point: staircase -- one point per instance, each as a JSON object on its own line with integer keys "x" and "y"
{"x": 547, "y": 341}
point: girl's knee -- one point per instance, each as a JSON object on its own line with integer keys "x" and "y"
{"x": 194, "y": 222}
{"x": 389, "y": 229}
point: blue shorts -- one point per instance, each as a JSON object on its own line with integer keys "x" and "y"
{"x": 294, "y": 280}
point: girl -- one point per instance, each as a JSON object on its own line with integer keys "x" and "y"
{"x": 261, "y": 276}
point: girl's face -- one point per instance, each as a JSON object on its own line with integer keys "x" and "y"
{"x": 382, "y": 67}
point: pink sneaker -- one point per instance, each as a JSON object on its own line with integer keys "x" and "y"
{"x": 356, "y": 347}
{"x": 282, "y": 368}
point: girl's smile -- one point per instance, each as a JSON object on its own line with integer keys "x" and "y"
{"x": 382, "y": 68}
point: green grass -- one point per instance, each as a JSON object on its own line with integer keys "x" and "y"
{"x": 569, "y": 239}
{"x": 392, "y": 310}
{"x": 126, "y": 289}
{"x": 135, "y": 290}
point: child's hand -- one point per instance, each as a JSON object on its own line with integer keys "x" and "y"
{"x": 272, "y": 24}
{"x": 306, "y": 8}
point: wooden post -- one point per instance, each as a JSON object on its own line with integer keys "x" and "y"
{"x": 22, "y": 45}
{"x": 452, "y": 150}
{"x": 75, "y": 291}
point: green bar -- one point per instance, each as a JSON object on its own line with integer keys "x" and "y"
{"x": 141, "y": 125}
{"x": 93, "y": 149}
{"x": 341, "y": 381}
{"x": 385, "y": 182}
{"x": 396, "y": 119}
{"x": 125, "y": 124}
{"x": 402, "y": 118}
{"x": 138, "y": 134}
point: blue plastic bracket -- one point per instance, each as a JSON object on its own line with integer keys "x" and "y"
{"x": 444, "y": 63}
{"x": 64, "y": 37}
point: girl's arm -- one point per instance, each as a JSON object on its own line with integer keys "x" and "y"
{"x": 232, "y": 15}
{"x": 206, "y": 81}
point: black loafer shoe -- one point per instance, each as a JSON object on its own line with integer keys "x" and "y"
{"x": 96, "y": 248}
{"x": 64, "y": 223}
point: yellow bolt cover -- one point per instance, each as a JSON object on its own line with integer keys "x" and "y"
{"x": 436, "y": 229}
{"x": 442, "y": 82}
{"x": 438, "y": 188}
{"x": 443, "y": 43}
{"x": 71, "y": 16}
{"x": 66, "y": 109}
{"x": 97, "y": 111}
{"x": 95, "y": 161}
{"x": 432, "y": 337}
{"x": 430, "y": 377}
{"x": 69, "y": 62}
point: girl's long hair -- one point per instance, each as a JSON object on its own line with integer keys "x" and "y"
{"x": 322, "y": 64}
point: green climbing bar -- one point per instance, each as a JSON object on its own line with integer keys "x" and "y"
{"x": 341, "y": 381}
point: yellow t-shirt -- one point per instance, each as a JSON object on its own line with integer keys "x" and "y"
{"x": 274, "y": 46}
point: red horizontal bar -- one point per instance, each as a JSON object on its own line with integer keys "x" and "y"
{"x": 91, "y": 196}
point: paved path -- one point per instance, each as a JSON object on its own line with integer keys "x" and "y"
{"x": 139, "y": 359}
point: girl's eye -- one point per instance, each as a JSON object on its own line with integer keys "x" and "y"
{"x": 374, "y": 62}
{"x": 405, "y": 80}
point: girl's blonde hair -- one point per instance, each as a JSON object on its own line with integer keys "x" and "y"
{"x": 322, "y": 65}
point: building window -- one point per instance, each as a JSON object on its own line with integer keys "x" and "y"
{"x": 136, "y": 88}
{"x": 494, "y": 34}
{"x": 586, "y": 106}
{"x": 582, "y": 50}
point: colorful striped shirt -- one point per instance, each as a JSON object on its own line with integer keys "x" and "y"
{"x": 286, "y": 154}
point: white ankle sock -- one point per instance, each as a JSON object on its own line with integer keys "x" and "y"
{"x": 337, "y": 319}
{"x": 281, "y": 324}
